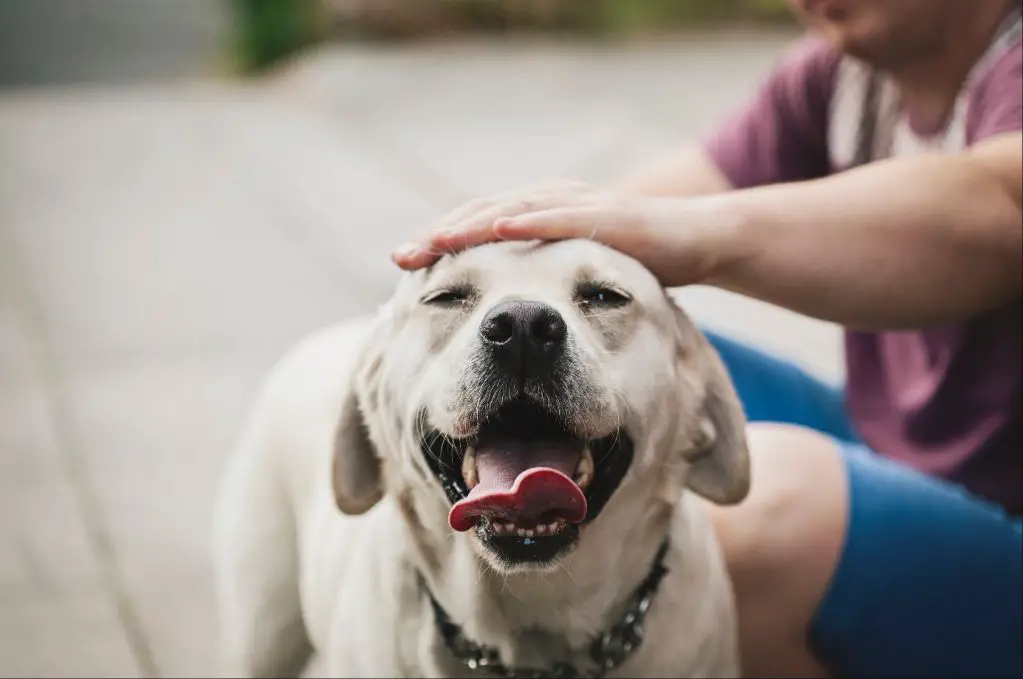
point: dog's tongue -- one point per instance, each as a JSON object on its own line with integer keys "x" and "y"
{"x": 523, "y": 483}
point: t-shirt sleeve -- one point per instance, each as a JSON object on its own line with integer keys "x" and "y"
{"x": 782, "y": 134}
{"x": 995, "y": 104}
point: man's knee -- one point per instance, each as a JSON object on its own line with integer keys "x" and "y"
{"x": 783, "y": 542}
{"x": 798, "y": 503}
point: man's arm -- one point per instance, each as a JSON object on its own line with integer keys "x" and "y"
{"x": 904, "y": 243}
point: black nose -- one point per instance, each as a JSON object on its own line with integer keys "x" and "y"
{"x": 526, "y": 338}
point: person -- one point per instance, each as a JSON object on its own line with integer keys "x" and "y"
{"x": 874, "y": 181}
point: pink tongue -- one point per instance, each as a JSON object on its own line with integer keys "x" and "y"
{"x": 523, "y": 483}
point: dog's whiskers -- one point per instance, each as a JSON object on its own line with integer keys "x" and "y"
{"x": 596, "y": 314}
{"x": 431, "y": 440}
{"x": 563, "y": 568}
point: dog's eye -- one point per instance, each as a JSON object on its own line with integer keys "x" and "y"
{"x": 593, "y": 294}
{"x": 449, "y": 297}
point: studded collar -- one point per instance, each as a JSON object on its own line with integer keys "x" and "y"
{"x": 607, "y": 652}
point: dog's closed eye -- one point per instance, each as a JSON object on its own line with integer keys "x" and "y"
{"x": 448, "y": 297}
{"x": 600, "y": 295}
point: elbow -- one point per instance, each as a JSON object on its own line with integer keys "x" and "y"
{"x": 993, "y": 223}
{"x": 998, "y": 269}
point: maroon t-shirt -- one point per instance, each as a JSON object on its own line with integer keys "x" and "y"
{"x": 945, "y": 400}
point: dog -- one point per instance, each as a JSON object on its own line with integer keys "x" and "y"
{"x": 488, "y": 478}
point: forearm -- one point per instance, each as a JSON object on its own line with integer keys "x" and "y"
{"x": 899, "y": 244}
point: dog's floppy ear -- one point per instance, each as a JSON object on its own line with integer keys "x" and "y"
{"x": 719, "y": 462}
{"x": 357, "y": 475}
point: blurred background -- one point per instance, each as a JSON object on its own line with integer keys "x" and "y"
{"x": 189, "y": 186}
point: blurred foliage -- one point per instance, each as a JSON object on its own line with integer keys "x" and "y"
{"x": 267, "y": 30}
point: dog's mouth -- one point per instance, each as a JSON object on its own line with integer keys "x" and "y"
{"x": 525, "y": 481}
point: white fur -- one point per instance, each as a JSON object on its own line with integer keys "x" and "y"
{"x": 296, "y": 575}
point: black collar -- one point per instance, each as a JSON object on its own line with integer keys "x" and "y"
{"x": 607, "y": 652}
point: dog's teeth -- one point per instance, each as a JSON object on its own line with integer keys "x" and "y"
{"x": 584, "y": 470}
{"x": 541, "y": 529}
{"x": 469, "y": 474}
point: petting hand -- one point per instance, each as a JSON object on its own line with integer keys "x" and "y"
{"x": 666, "y": 234}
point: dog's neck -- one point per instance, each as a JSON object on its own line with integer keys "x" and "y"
{"x": 561, "y": 610}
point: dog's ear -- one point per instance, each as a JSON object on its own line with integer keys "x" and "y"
{"x": 719, "y": 466}
{"x": 357, "y": 474}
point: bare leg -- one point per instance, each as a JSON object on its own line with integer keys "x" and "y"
{"x": 782, "y": 545}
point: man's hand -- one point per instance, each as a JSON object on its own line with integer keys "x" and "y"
{"x": 903, "y": 243}
{"x": 670, "y": 236}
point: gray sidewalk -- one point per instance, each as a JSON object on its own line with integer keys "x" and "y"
{"x": 160, "y": 246}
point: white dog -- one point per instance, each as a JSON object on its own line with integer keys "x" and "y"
{"x": 508, "y": 443}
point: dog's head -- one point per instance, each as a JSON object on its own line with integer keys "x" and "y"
{"x": 515, "y": 392}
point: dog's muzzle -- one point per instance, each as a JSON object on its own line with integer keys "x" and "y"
{"x": 525, "y": 479}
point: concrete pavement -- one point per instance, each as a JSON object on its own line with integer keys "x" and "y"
{"x": 161, "y": 245}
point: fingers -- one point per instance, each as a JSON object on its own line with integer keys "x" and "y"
{"x": 479, "y": 228}
{"x": 411, "y": 256}
{"x": 588, "y": 221}
{"x": 433, "y": 246}
{"x": 473, "y": 223}
{"x": 474, "y": 208}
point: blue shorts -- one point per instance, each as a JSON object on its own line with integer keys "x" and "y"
{"x": 930, "y": 580}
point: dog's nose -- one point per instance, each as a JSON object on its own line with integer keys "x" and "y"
{"x": 525, "y": 337}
